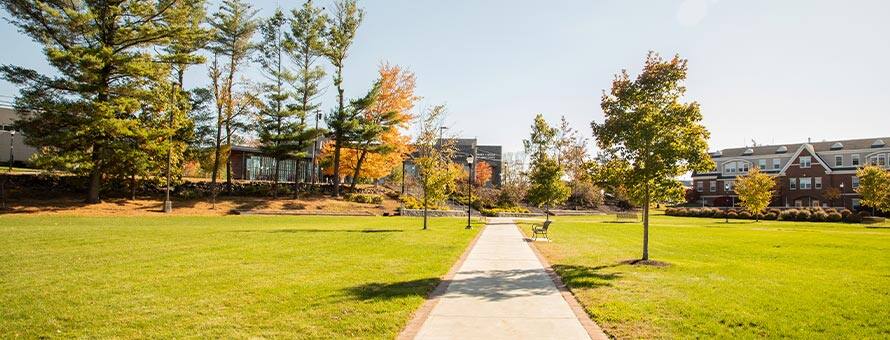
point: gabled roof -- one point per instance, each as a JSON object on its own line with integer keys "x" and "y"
{"x": 811, "y": 149}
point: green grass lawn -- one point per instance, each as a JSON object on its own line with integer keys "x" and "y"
{"x": 219, "y": 277}
{"x": 742, "y": 279}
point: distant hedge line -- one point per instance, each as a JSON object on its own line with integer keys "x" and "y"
{"x": 814, "y": 214}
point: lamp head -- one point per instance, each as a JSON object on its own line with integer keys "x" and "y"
{"x": 470, "y": 159}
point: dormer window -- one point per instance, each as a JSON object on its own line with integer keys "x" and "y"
{"x": 782, "y": 149}
{"x": 837, "y": 146}
{"x": 748, "y": 151}
{"x": 717, "y": 153}
{"x": 878, "y": 143}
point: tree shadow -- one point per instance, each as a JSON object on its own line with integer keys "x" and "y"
{"x": 394, "y": 290}
{"x": 588, "y": 277}
{"x": 364, "y": 231}
{"x": 491, "y": 285}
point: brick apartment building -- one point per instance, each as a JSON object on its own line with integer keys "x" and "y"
{"x": 803, "y": 171}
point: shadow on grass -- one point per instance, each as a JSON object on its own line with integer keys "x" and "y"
{"x": 587, "y": 277}
{"x": 491, "y": 285}
{"x": 366, "y": 231}
{"x": 375, "y": 291}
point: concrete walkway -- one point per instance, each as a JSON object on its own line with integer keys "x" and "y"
{"x": 502, "y": 291}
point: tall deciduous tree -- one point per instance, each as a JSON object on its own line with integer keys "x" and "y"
{"x": 651, "y": 134}
{"x": 87, "y": 118}
{"x": 482, "y": 173}
{"x": 874, "y": 187}
{"x": 546, "y": 187}
{"x": 341, "y": 29}
{"x": 571, "y": 150}
{"x": 234, "y": 25}
{"x": 755, "y": 191}
{"x": 433, "y": 157}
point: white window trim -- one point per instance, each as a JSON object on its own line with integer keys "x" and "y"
{"x": 793, "y": 183}
{"x": 854, "y": 160}
{"x": 838, "y": 158}
{"x": 817, "y": 183}
{"x": 809, "y": 162}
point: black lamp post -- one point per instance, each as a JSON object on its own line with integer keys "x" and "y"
{"x": 469, "y": 190}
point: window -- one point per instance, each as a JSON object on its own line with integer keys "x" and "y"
{"x": 698, "y": 186}
{"x": 777, "y": 163}
{"x": 818, "y": 182}
{"x": 713, "y": 186}
{"x": 855, "y": 182}
{"x": 855, "y": 203}
{"x": 730, "y": 168}
{"x": 881, "y": 160}
{"x": 838, "y": 160}
{"x": 806, "y": 183}
{"x": 854, "y": 160}
{"x": 793, "y": 183}
{"x": 761, "y": 164}
{"x": 727, "y": 185}
{"x": 798, "y": 203}
{"x": 816, "y": 203}
{"x": 805, "y": 161}
{"x": 743, "y": 166}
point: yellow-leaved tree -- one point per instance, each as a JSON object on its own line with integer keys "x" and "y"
{"x": 755, "y": 191}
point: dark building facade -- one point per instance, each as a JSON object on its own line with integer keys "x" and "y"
{"x": 803, "y": 171}
{"x": 249, "y": 163}
{"x": 491, "y": 154}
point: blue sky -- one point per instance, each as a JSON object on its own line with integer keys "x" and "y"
{"x": 771, "y": 71}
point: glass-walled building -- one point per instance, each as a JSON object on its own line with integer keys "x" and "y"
{"x": 249, "y": 163}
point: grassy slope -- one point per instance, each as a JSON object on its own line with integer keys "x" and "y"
{"x": 744, "y": 279}
{"x": 220, "y": 277}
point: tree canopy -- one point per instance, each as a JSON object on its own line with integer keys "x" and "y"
{"x": 650, "y": 136}
{"x": 755, "y": 191}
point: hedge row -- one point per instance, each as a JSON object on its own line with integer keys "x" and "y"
{"x": 802, "y": 214}
{"x": 364, "y": 198}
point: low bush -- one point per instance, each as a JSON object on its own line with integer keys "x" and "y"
{"x": 410, "y": 202}
{"x": 803, "y": 215}
{"x": 770, "y": 216}
{"x": 834, "y": 216}
{"x": 732, "y": 214}
{"x": 494, "y": 211}
{"x": 364, "y": 198}
{"x": 745, "y": 215}
{"x": 819, "y": 216}
{"x": 788, "y": 215}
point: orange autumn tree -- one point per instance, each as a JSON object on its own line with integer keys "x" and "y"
{"x": 483, "y": 173}
{"x": 376, "y": 159}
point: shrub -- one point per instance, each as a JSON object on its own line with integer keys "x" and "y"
{"x": 788, "y": 215}
{"x": 845, "y": 213}
{"x": 670, "y": 211}
{"x": 864, "y": 214}
{"x": 494, "y": 212}
{"x": 410, "y": 202}
{"x": 745, "y": 215}
{"x": 834, "y": 216}
{"x": 732, "y": 214}
{"x": 364, "y": 198}
{"x": 682, "y": 212}
{"x": 585, "y": 195}
{"x": 804, "y": 215}
{"x": 854, "y": 218}
{"x": 819, "y": 216}
{"x": 771, "y": 216}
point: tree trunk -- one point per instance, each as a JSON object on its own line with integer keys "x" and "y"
{"x": 339, "y": 138}
{"x": 336, "y": 168}
{"x": 133, "y": 186}
{"x": 229, "y": 158}
{"x": 358, "y": 168}
{"x": 95, "y": 178}
{"x": 646, "y": 225}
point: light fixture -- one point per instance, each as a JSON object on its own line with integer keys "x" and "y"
{"x": 470, "y": 159}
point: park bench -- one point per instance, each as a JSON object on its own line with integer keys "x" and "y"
{"x": 540, "y": 229}
{"x": 627, "y": 215}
